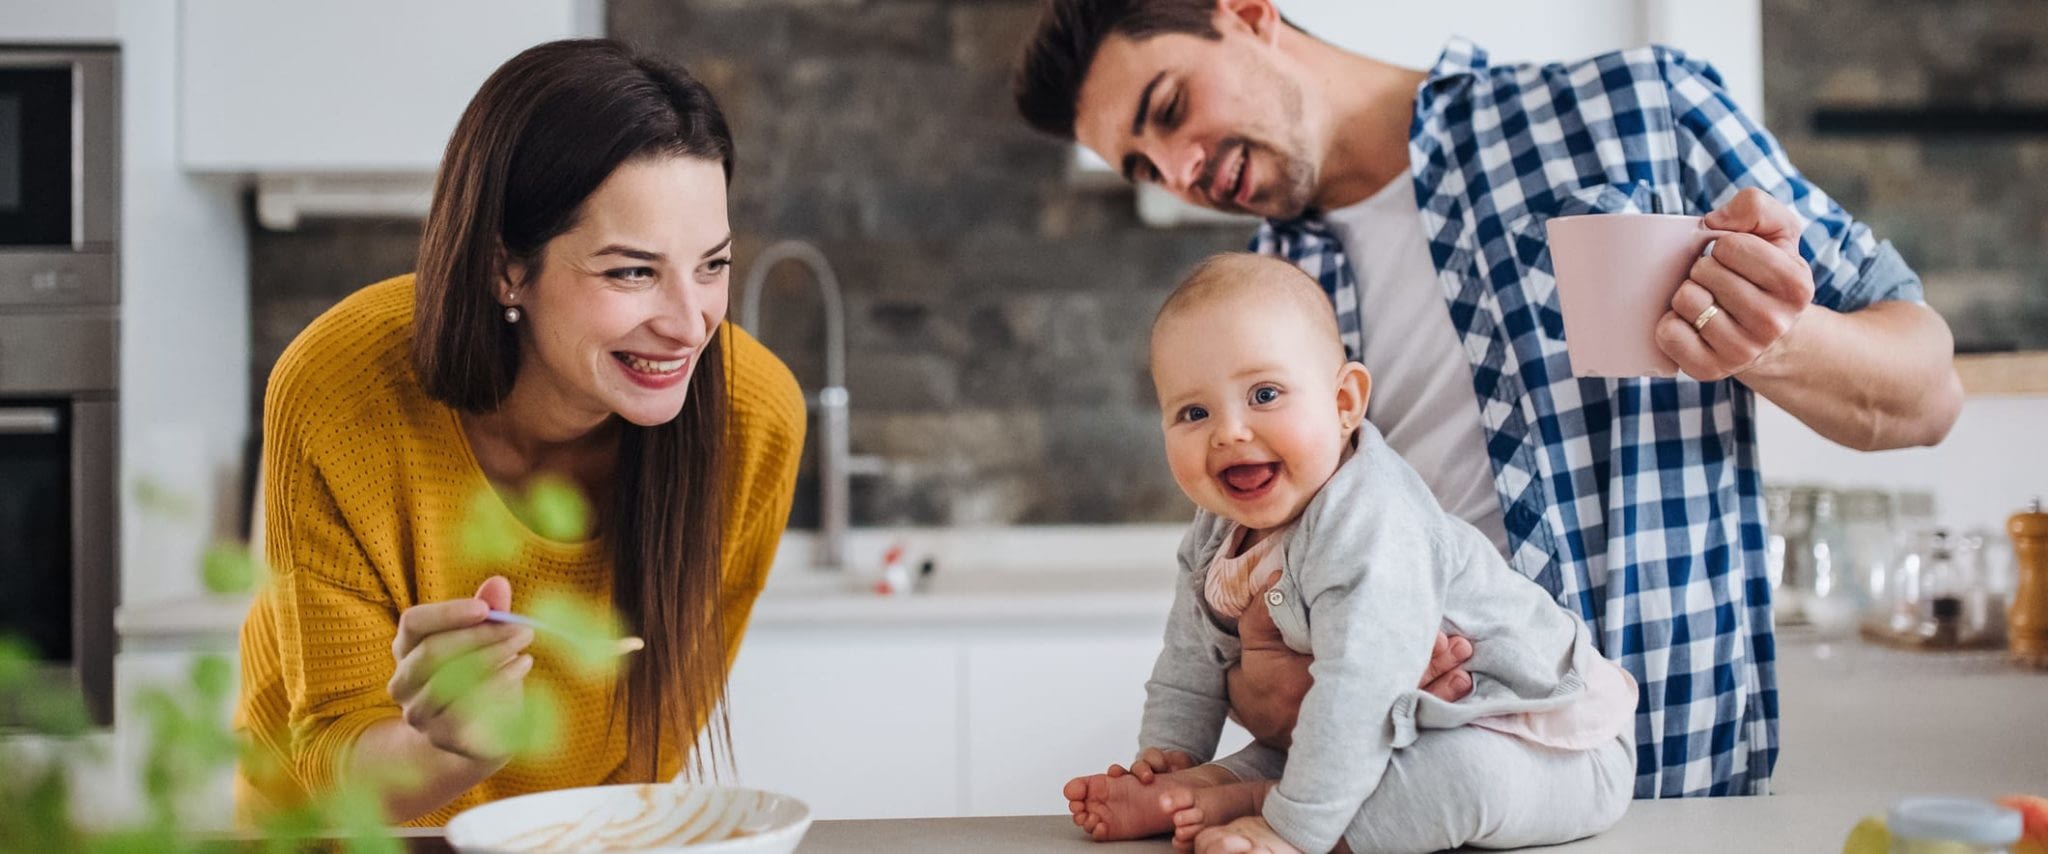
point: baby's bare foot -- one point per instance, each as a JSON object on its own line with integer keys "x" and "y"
{"x": 1114, "y": 807}
{"x": 1247, "y": 835}
{"x": 1194, "y": 810}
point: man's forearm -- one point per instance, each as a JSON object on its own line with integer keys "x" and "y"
{"x": 417, "y": 777}
{"x": 1882, "y": 377}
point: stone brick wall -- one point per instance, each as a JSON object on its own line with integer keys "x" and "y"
{"x": 1968, "y": 210}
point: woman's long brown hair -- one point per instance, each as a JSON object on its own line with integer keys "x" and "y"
{"x": 544, "y": 131}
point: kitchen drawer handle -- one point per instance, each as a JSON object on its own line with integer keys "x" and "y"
{"x": 30, "y": 421}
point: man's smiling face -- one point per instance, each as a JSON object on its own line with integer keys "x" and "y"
{"x": 1217, "y": 122}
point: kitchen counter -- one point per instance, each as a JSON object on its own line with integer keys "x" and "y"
{"x": 1780, "y": 823}
{"x": 1877, "y": 723}
{"x": 1002, "y": 577}
{"x": 1707, "y": 825}
{"x": 807, "y": 602}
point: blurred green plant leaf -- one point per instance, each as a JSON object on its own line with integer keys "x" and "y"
{"x": 288, "y": 831}
{"x": 489, "y": 536}
{"x": 157, "y": 840}
{"x": 357, "y": 811}
{"x": 532, "y": 727}
{"x": 557, "y": 510}
{"x": 17, "y": 664}
{"x": 585, "y": 635}
{"x": 228, "y": 567}
{"x": 155, "y": 498}
{"x": 188, "y": 742}
{"x": 34, "y": 812}
{"x": 458, "y": 677}
{"x": 58, "y": 713}
{"x": 214, "y": 676}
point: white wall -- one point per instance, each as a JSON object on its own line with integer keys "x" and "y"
{"x": 57, "y": 21}
{"x": 184, "y": 321}
{"x": 1727, "y": 34}
{"x": 1987, "y": 468}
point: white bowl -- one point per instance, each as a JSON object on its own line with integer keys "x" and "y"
{"x": 644, "y": 818}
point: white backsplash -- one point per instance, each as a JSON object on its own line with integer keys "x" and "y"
{"x": 1990, "y": 464}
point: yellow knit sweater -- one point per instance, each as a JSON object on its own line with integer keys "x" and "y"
{"x": 368, "y": 481}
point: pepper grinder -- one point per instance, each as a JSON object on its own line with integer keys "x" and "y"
{"x": 2028, "y": 624}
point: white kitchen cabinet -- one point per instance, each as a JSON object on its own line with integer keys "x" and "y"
{"x": 857, "y": 725}
{"x": 1043, "y": 709}
{"x": 903, "y": 722}
{"x": 373, "y": 86}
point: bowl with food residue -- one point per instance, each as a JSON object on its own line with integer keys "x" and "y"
{"x": 644, "y": 818}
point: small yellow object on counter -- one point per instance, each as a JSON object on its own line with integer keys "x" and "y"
{"x": 1869, "y": 836}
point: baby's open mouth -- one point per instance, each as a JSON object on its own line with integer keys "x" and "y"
{"x": 1249, "y": 478}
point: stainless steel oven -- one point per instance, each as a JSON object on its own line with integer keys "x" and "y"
{"x": 59, "y": 310}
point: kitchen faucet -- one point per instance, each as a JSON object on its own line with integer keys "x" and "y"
{"x": 830, "y": 403}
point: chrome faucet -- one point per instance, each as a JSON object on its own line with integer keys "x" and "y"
{"x": 834, "y": 455}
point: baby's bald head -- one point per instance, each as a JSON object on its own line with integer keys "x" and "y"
{"x": 1254, "y": 287}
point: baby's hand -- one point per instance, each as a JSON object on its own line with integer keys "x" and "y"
{"x": 1152, "y": 762}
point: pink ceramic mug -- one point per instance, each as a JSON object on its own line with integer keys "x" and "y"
{"x": 1616, "y": 274}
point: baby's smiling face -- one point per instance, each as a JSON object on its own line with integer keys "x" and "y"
{"x": 1256, "y": 399}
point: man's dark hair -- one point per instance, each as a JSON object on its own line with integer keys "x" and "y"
{"x": 1069, "y": 33}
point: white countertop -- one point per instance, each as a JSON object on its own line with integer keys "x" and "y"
{"x": 1784, "y": 823}
{"x": 812, "y": 600}
{"x": 1023, "y": 576}
{"x": 1878, "y": 723}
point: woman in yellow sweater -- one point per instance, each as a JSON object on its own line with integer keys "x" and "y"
{"x": 566, "y": 321}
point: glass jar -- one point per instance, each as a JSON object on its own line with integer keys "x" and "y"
{"x": 1951, "y": 826}
{"x": 1938, "y": 595}
{"x": 1777, "y": 514}
{"x": 1829, "y": 589}
{"x": 1868, "y": 524}
{"x": 1943, "y": 584}
{"x": 1789, "y": 551}
{"x": 1983, "y": 592}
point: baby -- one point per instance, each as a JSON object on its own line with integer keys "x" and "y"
{"x": 1308, "y": 514}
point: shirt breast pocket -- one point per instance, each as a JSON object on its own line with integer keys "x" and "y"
{"x": 1529, "y": 241}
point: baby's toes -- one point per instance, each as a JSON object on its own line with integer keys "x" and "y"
{"x": 1076, "y": 789}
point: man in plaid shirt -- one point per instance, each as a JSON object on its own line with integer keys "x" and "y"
{"x": 1418, "y": 199}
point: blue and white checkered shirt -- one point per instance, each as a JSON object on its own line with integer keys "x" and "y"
{"x": 1635, "y": 501}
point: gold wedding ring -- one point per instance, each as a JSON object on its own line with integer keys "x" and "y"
{"x": 1699, "y": 324}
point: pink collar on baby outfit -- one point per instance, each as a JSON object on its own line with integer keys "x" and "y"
{"x": 1234, "y": 578}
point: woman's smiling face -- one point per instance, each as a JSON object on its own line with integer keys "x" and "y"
{"x": 628, "y": 298}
